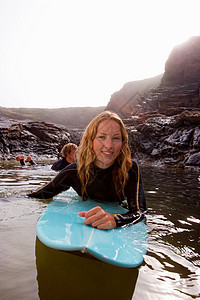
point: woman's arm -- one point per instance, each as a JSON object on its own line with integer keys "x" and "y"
{"x": 62, "y": 182}
{"x": 48, "y": 191}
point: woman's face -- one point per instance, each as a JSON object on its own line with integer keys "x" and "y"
{"x": 107, "y": 143}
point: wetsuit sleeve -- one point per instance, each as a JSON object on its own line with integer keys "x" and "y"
{"x": 60, "y": 183}
{"x": 129, "y": 218}
{"x": 134, "y": 193}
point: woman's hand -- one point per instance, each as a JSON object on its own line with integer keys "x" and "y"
{"x": 99, "y": 218}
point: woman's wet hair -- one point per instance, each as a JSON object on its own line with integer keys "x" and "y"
{"x": 86, "y": 155}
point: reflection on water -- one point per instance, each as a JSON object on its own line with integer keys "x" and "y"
{"x": 173, "y": 259}
{"x": 77, "y": 277}
{"x": 171, "y": 269}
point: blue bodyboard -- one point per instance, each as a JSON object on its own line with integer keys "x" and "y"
{"x": 60, "y": 227}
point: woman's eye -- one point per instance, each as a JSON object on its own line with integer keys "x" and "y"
{"x": 101, "y": 137}
{"x": 116, "y": 138}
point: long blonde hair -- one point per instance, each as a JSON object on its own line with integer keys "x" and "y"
{"x": 86, "y": 155}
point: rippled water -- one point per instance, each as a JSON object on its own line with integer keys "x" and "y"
{"x": 171, "y": 268}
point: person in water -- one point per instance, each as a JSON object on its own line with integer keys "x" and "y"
{"x": 29, "y": 160}
{"x": 68, "y": 154}
{"x": 103, "y": 171}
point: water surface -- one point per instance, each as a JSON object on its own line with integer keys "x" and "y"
{"x": 171, "y": 268}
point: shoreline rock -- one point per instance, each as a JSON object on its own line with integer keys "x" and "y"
{"x": 162, "y": 140}
{"x": 162, "y": 116}
{"x": 38, "y": 139}
{"x": 157, "y": 140}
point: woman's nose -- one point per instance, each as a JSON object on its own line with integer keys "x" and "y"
{"x": 108, "y": 143}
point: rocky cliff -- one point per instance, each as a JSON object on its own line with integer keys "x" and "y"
{"x": 164, "y": 121}
{"x": 177, "y": 90}
{"x": 183, "y": 65}
{"x": 156, "y": 140}
{"x": 166, "y": 140}
{"x": 162, "y": 116}
{"x": 38, "y": 139}
{"x": 127, "y": 100}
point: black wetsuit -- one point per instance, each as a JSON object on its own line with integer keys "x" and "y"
{"x": 60, "y": 164}
{"x": 101, "y": 188}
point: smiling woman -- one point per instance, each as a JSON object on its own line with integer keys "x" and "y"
{"x": 104, "y": 171}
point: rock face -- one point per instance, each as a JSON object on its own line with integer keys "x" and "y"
{"x": 183, "y": 64}
{"x": 163, "y": 123}
{"x": 161, "y": 140}
{"x": 180, "y": 85}
{"x": 128, "y": 99}
{"x": 170, "y": 100}
{"x": 38, "y": 139}
{"x": 155, "y": 140}
{"x": 178, "y": 89}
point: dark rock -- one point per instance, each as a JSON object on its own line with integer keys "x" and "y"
{"x": 37, "y": 139}
{"x": 183, "y": 64}
{"x": 193, "y": 160}
{"x": 178, "y": 89}
{"x": 160, "y": 139}
{"x": 181, "y": 138}
{"x": 196, "y": 138}
{"x": 46, "y": 131}
{"x": 180, "y": 85}
{"x": 127, "y": 100}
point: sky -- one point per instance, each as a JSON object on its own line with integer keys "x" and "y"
{"x": 60, "y": 53}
